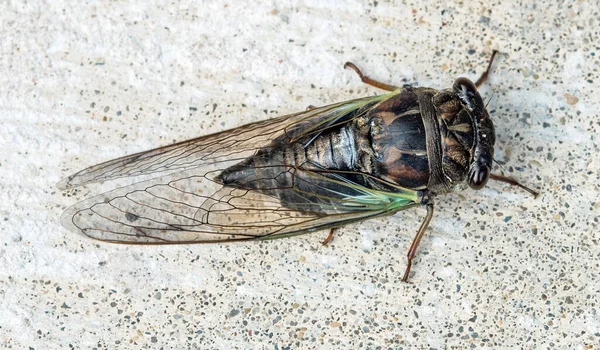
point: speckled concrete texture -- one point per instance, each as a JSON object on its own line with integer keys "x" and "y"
{"x": 84, "y": 82}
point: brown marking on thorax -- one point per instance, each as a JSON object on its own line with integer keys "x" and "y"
{"x": 458, "y": 135}
{"x": 398, "y": 139}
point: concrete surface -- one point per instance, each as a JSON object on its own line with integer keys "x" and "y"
{"x": 84, "y": 82}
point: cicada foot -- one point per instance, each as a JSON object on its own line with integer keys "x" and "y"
{"x": 329, "y": 237}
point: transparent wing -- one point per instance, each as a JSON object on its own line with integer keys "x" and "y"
{"x": 194, "y": 207}
{"x": 235, "y": 144}
{"x": 188, "y": 202}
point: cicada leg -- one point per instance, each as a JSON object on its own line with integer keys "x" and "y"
{"x": 485, "y": 74}
{"x": 513, "y": 182}
{"x": 415, "y": 244}
{"x": 329, "y": 237}
{"x": 370, "y": 81}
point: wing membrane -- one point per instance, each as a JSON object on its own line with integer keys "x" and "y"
{"x": 194, "y": 208}
{"x": 188, "y": 202}
{"x": 234, "y": 144}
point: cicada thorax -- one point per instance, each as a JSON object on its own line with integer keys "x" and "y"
{"x": 457, "y": 136}
{"x": 424, "y": 139}
{"x": 399, "y": 142}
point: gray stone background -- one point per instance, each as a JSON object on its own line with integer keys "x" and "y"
{"x": 84, "y": 82}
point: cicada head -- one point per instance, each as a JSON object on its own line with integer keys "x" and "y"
{"x": 484, "y": 137}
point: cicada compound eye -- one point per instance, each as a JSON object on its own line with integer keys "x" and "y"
{"x": 479, "y": 177}
{"x": 468, "y": 94}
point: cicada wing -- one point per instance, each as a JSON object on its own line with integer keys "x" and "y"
{"x": 231, "y": 145}
{"x": 194, "y": 207}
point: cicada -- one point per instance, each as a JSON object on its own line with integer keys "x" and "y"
{"x": 319, "y": 169}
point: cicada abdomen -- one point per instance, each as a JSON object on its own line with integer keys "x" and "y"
{"x": 380, "y": 146}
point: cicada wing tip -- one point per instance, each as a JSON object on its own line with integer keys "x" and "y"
{"x": 66, "y": 220}
{"x": 65, "y": 183}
